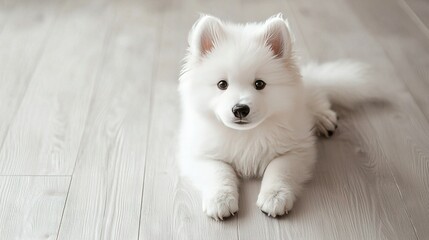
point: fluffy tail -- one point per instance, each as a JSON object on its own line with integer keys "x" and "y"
{"x": 345, "y": 82}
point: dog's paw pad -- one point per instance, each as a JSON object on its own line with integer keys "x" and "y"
{"x": 326, "y": 123}
{"x": 220, "y": 205}
{"x": 275, "y": 203}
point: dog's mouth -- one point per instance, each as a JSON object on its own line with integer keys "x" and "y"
{"x": 241, "y": 122}
{"x": 245, "y": 123}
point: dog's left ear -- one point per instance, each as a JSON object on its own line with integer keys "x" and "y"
{"x": 277, "y": 36}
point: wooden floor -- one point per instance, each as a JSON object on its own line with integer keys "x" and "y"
{"x": 89, "y": 115}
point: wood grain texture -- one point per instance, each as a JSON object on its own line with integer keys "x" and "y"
{"x": 44, "y": 137}
{"x": 397, "y": 150}
{"x": 31, "y": 207}
{"x": 408, "y": 155}
{"x": 19, "y": 57}
{"x": 403, "y": 42}
{"x": 105, "y": 193}
{"x": 418, "y": 10}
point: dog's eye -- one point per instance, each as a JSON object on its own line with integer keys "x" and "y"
{"x": 259, "y": 84}
{"x": 222, "y": 85}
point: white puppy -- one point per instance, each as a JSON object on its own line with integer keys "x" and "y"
{"x": 248, "y": 112}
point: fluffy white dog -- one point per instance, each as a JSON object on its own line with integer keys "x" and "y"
{"x": 249, "y": 111}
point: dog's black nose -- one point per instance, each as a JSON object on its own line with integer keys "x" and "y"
{"x": 240, "y": 110}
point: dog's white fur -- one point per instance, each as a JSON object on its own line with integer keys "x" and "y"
{"x": 278, "y": 142}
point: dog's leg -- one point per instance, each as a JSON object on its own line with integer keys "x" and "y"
{"x": 325, "y": 120}
{"x": 283, "y": 180}
{"x": 219, "y": 187}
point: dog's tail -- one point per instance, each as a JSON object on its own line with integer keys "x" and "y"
{"x": 345, "y": 82}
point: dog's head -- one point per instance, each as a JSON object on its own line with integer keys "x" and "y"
{"x": 242, "y": 74}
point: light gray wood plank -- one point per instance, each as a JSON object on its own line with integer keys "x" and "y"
{"x": 171, "y": 207}
{"x": 403, "y": 41}
{"x": 20, "y": 22}
{"x": 105, "y": 193}
{"x": 418, "y": 11}
{"x": 31, "y": 207}
{"x": 45, "y": 134}
{"x": 6, "y": 9}
{"x": 387, "y": 134}
{"x": 407, "y": 48}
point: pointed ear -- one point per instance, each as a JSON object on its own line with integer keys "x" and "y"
{"x": 277, "y": 36}
{"x": 205, "y": 35}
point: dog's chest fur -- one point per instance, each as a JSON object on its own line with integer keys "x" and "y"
{"x": 249, "y": 152}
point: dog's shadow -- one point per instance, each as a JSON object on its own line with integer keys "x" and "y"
{"x": 343, "y": 168}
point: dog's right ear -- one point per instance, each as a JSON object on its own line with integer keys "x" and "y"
{"x": 205, "y": 35}
{"x": 277, "y": 36}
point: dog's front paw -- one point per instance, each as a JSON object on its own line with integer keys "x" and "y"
{"x": 276, "y": 202}
{"x": 220, "y": 204}
{"x": 326, "y": 123}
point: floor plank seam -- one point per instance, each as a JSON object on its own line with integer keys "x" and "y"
{"x": 64, "y": 208}
{"x": 93, "y": 86}
{"x": 149, "y": 124}
{"x": 414, "y": 17}
{"x": 96, "y": 78}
